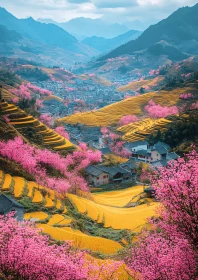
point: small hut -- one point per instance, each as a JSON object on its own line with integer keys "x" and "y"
{"x": 8, "y": 204}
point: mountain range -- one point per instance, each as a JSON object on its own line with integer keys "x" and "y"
{"x": 86, "y": 27}
{"x": 41, "y": 42}
{"x": 103, "y": 45}
{"x": 179, "y": 34}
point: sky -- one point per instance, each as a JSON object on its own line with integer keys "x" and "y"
{"x": 119, "y": 11}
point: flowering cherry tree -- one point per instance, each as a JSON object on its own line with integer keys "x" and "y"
{"x": 169, "y": 251}
{"x": 34, "y": 161}
{"x": 127, "y": 119}
{"x": 61, "y": 130}
{"x": 157, "y": 111}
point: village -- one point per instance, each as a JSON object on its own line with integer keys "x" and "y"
{"x": 78, "y": 95}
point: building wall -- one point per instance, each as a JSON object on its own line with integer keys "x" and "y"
{"x": 102, "y": 179}
{"x": 155, "y": 156}
{"x": 140, "y": 147}
{"x": 19, "y": 213}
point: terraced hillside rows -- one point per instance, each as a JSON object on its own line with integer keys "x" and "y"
{"x": 120, "y": 198}
{"x": 111, "y": 114}
{"x": 36, "y": 194}
{"x": 52, "y": 223}
{"x": 142, "y": 129}
{"x": 21, "y": 121}
{"x": 136, "y": 85}
{"x": 115, "y": 217}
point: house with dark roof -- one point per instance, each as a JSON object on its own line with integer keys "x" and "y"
{"x": 105, "y": 151}
{"x": 117, "y": 174}
{"x": 130, "y": 166}
{"x": 8, "y": 204}
{"x": 96, "y": 176}
{"x": 137, "y": 146}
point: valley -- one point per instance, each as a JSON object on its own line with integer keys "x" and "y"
{"x": 98, "y": 149}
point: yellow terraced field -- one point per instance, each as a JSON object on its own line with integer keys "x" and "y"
{"x": 111, "y": 114}
{"x": 59, "y": 220}
{"x": 6, "y": 184}
{"x": 49, "y": 202}
{"x": 141, "y": 129}
{"x": 118, "y": 198}
{"x": 50, "y": 137}
{"x": 81, "y": 240}
{"x": 118, "y": 218}
{"x": 19, "y": 185}
{"x": 136, "y": 85}
{"x": 41, "y": 216}
{"x": 38, "y": 198}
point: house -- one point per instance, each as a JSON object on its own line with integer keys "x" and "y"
{"x": 137, "y": 146}
{"x": 96, "y": 176}
{"x": 8, "y": 204}
{"x": 105, "y": 151}
{"x": 130, "y": 166}
{"x": 143, "y": 155}
{"x": 117, "y": 174}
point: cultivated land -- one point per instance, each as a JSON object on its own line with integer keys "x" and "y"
{"x": 111, "y": 114}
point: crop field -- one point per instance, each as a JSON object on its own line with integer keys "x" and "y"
{"x": 59, "y": 220}
{"x": 81, "y": 240}
{"x": 141, "y": 129}
{"x": 41, "y": 216}
{"x": 96, "y": 80}
{"x": 20, "y": 188}
{"x": 118, "y": 198}
{"x": 136, "y": 85}
{"x": 117, "y": 218}
{"x": 111, "y": 114}
{"x": 19, "y": 119}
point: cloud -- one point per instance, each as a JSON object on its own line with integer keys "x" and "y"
{"x": 114, "y": 3}
{"x": 111, "y": 10}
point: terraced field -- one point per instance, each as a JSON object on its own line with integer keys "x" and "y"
{"x": 111, "y": 114}
{"x": 142, "y": 129}
{"x": 20, "y": 120}
{"x": 118, "y": 198}
{"x": 81, "y": 240}
{"x": 19, "y": 188}
{"x": 136, "y": 85}
{"x": 117, "y": 218}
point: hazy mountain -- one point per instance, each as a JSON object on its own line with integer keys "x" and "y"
{"x": 91, "y": 27}
{"x": 180, "y": 30}
{"x": 103, "y": 45}
{"x": 8, "y": 35}
{"x": 44, "y": 40}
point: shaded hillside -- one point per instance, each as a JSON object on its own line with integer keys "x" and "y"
{"x": 180, "y": 30}
{"x": 8, "y": 35}
{"x": 46, "y": 43}
{"x": 103, "y": 45}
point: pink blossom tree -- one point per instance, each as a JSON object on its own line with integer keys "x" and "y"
{"x": 169, "y": 251}
{"x": 127, "y": 120}
{"x": 157, "y": 111}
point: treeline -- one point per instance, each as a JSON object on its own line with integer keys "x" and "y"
{"x": 33, "y": 73}
{"x": 8, "y": 77}
{"x": 184, "y": 129}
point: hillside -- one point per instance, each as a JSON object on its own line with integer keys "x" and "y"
{"x": 103, "y": 45}
{"x": 111, "y": 114}
{"x": 179, "y": 30}
{"x": 46, "y": 43}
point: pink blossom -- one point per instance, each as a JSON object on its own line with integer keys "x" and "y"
{"x": 61, "y": 130}
{"x": 127, "y": 120}
{"x": 157, "y": 111}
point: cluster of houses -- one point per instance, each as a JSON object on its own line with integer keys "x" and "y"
{"x": 94, "y": 96}
{"x": 157, "y": 155}
{"x": 98, "y": 175}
